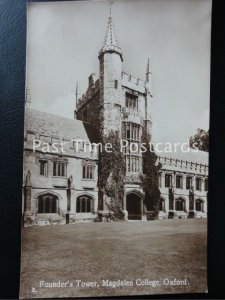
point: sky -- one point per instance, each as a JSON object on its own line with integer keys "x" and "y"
{"x": 64, "y": 38}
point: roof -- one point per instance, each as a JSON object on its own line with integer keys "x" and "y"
{"x": 52, "y": 125}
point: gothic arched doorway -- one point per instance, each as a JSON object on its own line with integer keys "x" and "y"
{"x": 134, "y": 206}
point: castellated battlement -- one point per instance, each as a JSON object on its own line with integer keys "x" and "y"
{"x": 133, "y": 83}
{"x": 183, "y": 165}
{"x": 128, "y": 81}
{"x": 92, "y": 89}
{"x": 132, "y": 79}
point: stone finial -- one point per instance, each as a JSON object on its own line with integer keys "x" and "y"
{"x": 148, "y": 71}
{"x": 28, "y": 179}
{"x": 77, "y": 96}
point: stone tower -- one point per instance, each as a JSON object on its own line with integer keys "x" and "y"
{"x": 110, "y": 58}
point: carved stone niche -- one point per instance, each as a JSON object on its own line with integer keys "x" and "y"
{"x": 132, "y": 178}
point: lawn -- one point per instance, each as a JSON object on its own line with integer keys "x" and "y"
{"x": 154, "y": 250}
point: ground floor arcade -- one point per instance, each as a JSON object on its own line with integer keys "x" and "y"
{"x": 61, "y": 206}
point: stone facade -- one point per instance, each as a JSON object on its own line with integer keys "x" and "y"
{"x": 54, "y": 182}
{"x": 188, "y": 181}
{"x": 124, "y": 104}
{"x": 63, "y": 187}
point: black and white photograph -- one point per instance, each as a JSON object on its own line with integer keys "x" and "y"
{"x": 116, "y": 148}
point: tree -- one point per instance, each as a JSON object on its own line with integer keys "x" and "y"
{"x": 200, "y": 140}
{"x": 150, "y": 177}
{"x": 112, "y": 175}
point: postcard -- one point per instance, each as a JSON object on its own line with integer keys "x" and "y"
{"x": 116, "y": 145}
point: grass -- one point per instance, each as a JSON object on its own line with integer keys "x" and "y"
{"x": 116, "y": 251}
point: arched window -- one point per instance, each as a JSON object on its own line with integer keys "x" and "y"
{"x": 162, "y": 204}
{"x": 47, "y": 204}
{"x": 188, "y": 182}
{"x": 132, "y": 101}
{"x": 198, "y": 184}
{"x": 132, "y": 133}
{"x": 199, "y": 205}
{"x": 180, "y": 204}
{"x": 179, "y": 182}
{"x": 84, "y": 204}
{"x": 43, "y": 167}
{"x": 60, "y": 167}
{"x": 168, "y": 180}
{"x": 88, "y": 171}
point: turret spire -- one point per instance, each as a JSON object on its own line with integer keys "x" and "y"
{"x": 110, "y": 9}
{"x": 110, "y": 42}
